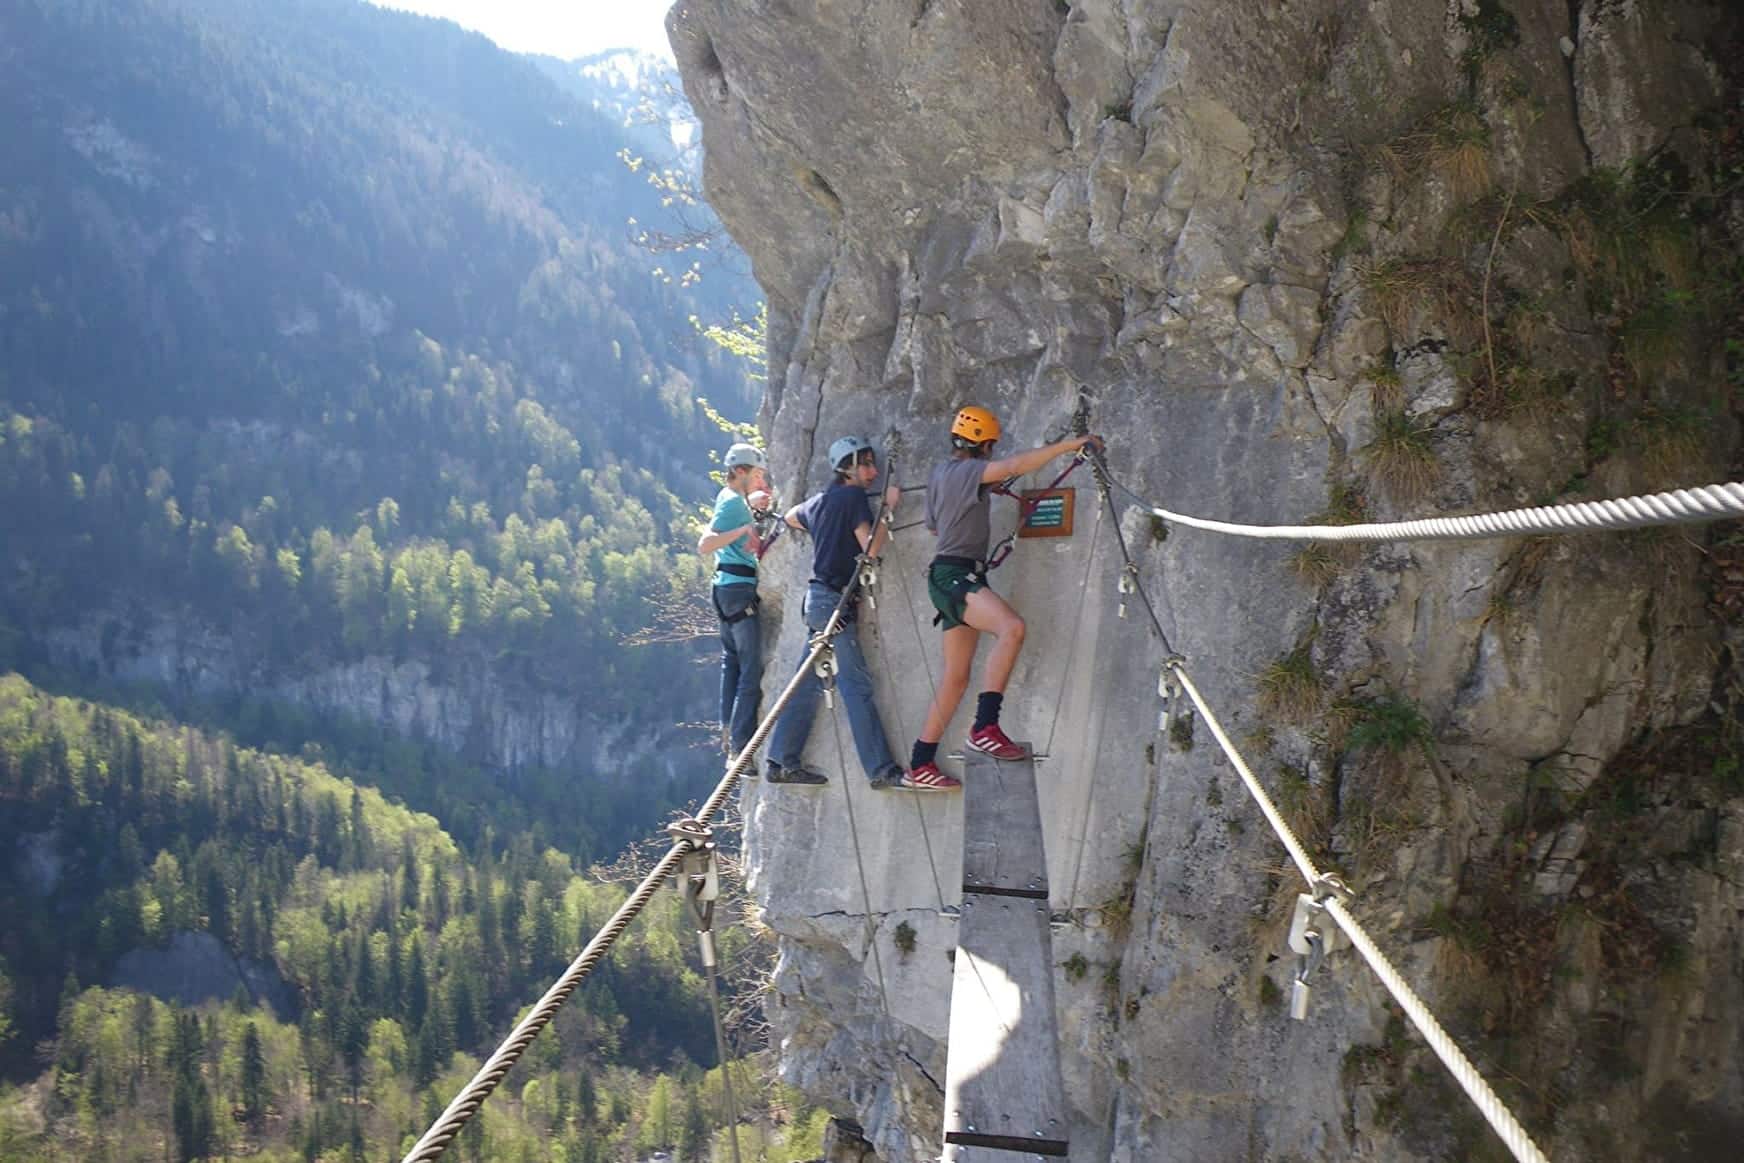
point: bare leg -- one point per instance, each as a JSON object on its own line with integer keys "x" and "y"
{"x": 986, "y": 610}
{"x": 959, "y": 649}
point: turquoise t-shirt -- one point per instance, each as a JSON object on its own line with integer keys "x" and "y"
{"x": 731, "y": 512}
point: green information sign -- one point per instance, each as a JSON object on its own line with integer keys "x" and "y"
{"x": 1050, "y": 513}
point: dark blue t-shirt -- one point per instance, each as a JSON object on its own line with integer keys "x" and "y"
{"x": 831, "y": 518}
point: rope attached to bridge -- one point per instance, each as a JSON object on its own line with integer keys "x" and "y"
{"x": 1467, "y": 1075}
{"x": 1679, "y": 507}
{"x": 472, "y": 1096}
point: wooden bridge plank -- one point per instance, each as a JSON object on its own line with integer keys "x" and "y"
{"x": 1004, "y": 1098}
{"x": 1002, "y": 827}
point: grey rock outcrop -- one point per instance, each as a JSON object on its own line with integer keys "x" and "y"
{"x": 1243, "y": 233}
{"x": 195, "y": 968}
{"x": 468, "y": 710}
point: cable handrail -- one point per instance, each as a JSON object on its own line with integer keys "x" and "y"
{"x": 472, "y": 1096}
{"x": 1677, "y": 507}
{"x": 1495, "y": 1112}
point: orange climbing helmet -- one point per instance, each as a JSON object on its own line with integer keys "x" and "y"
{"x": 975, "y": 425}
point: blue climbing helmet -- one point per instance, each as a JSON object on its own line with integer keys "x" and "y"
{"x": 744, "y": 456}
{"x": 846, "y": 449}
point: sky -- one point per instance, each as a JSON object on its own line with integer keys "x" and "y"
{"x": 560, "y": 28}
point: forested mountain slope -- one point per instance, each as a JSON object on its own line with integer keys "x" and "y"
{"x": 375, "y": 951}
{"x": 323, "y": 332}
{"x": 345, "y": 432}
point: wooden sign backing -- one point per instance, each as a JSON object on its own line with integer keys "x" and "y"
{"x": 1052, "y": 514}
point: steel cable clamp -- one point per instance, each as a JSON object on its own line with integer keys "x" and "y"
{"x": 825, "y": 669}
{"x": 1128, "y": 585}
{"x": 699, "y": 879}
{"x": 1169, "y": 690}
{"x": 1313, "y": 936}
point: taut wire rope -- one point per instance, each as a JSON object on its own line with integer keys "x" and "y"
{"x": 1470, "y": 1080}
{"x": 871, "y": 934}
{"x": 1096, "y": 751}
{"x": 1680, "y": 506}
{"x": 472, "y": 1096}
{"x": 1077, "y": 630}
{"x": 896, "y": 698}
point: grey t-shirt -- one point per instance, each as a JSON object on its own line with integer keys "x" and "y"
{"x": 957, "y": 509}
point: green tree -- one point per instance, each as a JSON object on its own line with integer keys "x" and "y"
{"x": 191, "y": 1116}
{"x": 254, "y": 1085}
{"x": 5, "y": 1004}
{"x": 657, "y": 1123}
{"x": 693, "y": 1131}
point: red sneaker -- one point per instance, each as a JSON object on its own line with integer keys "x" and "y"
{"x": 928, "y": 777}
{"x": 990, "y": 740}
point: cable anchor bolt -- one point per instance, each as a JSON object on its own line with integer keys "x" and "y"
{"x": 825, "y": 669}
{"x": 868, "y": 579}
{"x": 1313, "y": 935}
{"x": 700, "y": 880}
{"x": 1168, "y": 690}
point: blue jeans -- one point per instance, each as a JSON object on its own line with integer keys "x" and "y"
{"x": 853, "y": 683}
{"x": 741, "y": 663}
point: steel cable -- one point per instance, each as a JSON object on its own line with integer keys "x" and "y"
{"x": 473, "y": 1095}
{"x": 1473, "y": 1083}
{"x": 1679, "y": 507}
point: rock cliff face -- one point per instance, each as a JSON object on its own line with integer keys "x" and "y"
{"x": 1305, "y": 261}
{"x": 467, "y": 710}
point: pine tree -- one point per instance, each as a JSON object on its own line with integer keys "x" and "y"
{"x": 254, "y": 1092}
{"x": 409, "y": 875}
{"x": 417, "y": 984}
{"x": 586, "y": 1099}
{"x": 693, "y": 1131}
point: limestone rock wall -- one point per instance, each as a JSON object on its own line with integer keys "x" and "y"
{"x": 468, "y": 711}
{"x": 1303, "y": 259}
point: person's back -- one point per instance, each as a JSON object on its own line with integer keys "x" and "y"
{"x": 957, "y": 510}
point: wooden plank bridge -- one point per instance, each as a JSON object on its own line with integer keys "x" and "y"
{"x": 1004, "y": 1099}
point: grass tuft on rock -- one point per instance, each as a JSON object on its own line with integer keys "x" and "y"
{"x": 1289, "y": 688}
{"x": 1401, "y": 458}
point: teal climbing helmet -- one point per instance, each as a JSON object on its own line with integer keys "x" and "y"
{"x": 846, "y": 448}
{"x": 744, "y": 456}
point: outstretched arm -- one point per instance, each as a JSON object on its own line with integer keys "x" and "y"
{"x": 1020, "y": 463}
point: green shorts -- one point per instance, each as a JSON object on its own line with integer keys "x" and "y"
{"x": 950, "y": 581}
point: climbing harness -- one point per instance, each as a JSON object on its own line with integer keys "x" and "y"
{"x": 750, "y": 611}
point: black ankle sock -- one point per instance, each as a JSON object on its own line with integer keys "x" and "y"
{"x": 922, "y": 753}
{"x": 987, "y": 709}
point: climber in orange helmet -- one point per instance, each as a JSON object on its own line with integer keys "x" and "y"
{"x": 958, "y": 512}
